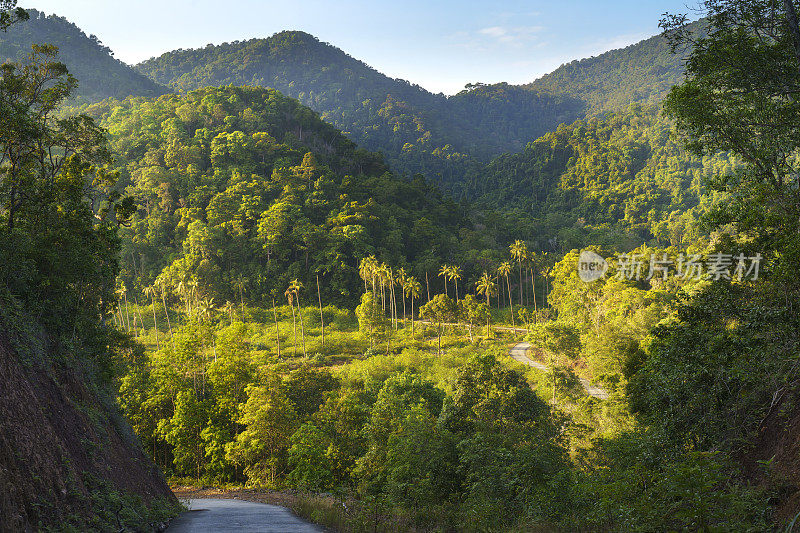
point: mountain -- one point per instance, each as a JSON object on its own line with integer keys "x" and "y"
{"x": 640, "y": 73}
{"x": 99, "y": 73}
{"x": 622, "y": 173}
{"x": 416, "y": 130}
{"x": 244, "y": 183}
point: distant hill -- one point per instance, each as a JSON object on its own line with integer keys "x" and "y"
{"x": 99, "y": 73}
{"x": 417, "y": 131}
{"x": 640, "y": 73}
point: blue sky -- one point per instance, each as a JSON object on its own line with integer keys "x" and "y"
{"x": 441, "y": 45}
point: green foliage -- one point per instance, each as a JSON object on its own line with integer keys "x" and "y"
{"x": 101, "y": 75}
{"x": 241, "y": 190}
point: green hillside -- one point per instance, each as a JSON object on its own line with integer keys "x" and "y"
{"x": 243, "y": 187}
{"x": 93, "y": 64}
{"x": 626, "y": 172}
{"x": 640, "y": 73}
{"x": 418, "y": 131}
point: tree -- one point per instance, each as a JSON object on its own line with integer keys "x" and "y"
{"x": 455, "y": 275}
{"x": 741, "y": 96}
{"x": 321, "y": 318}
{"x": 487, "y": 287}
{"x": 290, "y": 296}
{"x": 413, "y": 289}
{"x": 444, "y": 273}
{"x": 150, "y": 291}
{"x": 440, "y": 310}
{"x": 519, "y": 251}
{"x": 269, "y": 420}
{"x": 504, "y": 270}
{"x": 472, "y": 311}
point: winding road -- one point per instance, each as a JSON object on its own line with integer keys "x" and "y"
{"x": 216, "y": 515}
{"x": 520, "y": 354}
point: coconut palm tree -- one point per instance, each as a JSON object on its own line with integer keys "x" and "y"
{"x": 402, "y": 278}
{"x": 519, "y": 252}
{"x": 289, "y": 293}
{"x": 533, "y": 261}
{"x": 413, "y": 289}
{"x": 444, "y": 272}
{"x": 487, "y": 287}
{"x": 160, "y": 284}
{"x": 240, "y": 284}
{"x": 277, "y": 330}
{"x": 504, "y": 270}
{"x": 455, "y": 275}
{"x": 229, "y": 308}
{"x": 295, "y": 286}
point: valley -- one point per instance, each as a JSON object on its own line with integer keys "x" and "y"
{"x": 265, "y": 270}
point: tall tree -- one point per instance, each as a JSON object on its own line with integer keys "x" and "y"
{"x": 505, "y": 270}
{"x": 487, "y": 287}
{"x": 741, "y": 96}
{"x": 519, "y": 252}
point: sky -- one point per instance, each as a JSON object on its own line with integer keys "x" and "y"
{"x": 441, "y": 45}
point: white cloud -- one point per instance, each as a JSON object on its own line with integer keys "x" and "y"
{"x": 514, "y": 35}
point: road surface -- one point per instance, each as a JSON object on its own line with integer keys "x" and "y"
{"x": 519, "y": 353}
{"x": 214, "y": 516}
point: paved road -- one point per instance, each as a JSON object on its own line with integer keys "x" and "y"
{"x": 519, "y": 353}
{"x": 215, "y": 516}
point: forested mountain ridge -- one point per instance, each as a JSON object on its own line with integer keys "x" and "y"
{"x": 418, "y": 131}
{"x": 93, "y": 64}
{"x": 626, "y": 170}
{"x": 640, "y": 73}
{"x": 244, "y": 187}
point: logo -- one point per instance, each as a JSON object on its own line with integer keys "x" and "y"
{"x": 591, "y": 266}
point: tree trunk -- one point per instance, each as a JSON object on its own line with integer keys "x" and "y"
{"x": 428, "y": 286}
{"x": 294, "y": 326}
{"x": 321, "y": 318}
{"x": 456, "y": 282}
{"x": 412, "y": 316}
{"x": 520, "y": 284}
{"x": 533, "y": 288}
{"x": 302, "y": 328}
{"x": 277, "y": 330}
{"x": 169, "y": 324}
{"x": 511, "y": 302}
{"x": 155, "y": 322}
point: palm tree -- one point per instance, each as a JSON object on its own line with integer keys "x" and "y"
{"x": 533, "y": 263}
{"x": 402, "y": 278}
{"x": 295, "y": 286}
{"x": 444, "y": 272}
{"x": 277, "y": 330}
{"x": 206, "y": 309}
{"x": 122, "y": 292}
{"x": 487, "y": 287}
{"x": 504, "y": 270}
{"x": 151, "y": 292}
{"x": 289, "y": 293}
{"x": 519, "y": 252}
{"x": 321, "y": 319}
{"x": 413, "y": 288}
{"x": 455, "y": 275}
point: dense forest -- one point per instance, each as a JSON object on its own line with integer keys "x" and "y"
{"x": 246, "y": 188}
{"x": 283, "y": 306}
{"x": 91, "y": 62}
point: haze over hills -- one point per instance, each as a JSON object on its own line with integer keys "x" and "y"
{"x": 93, "y": 64}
